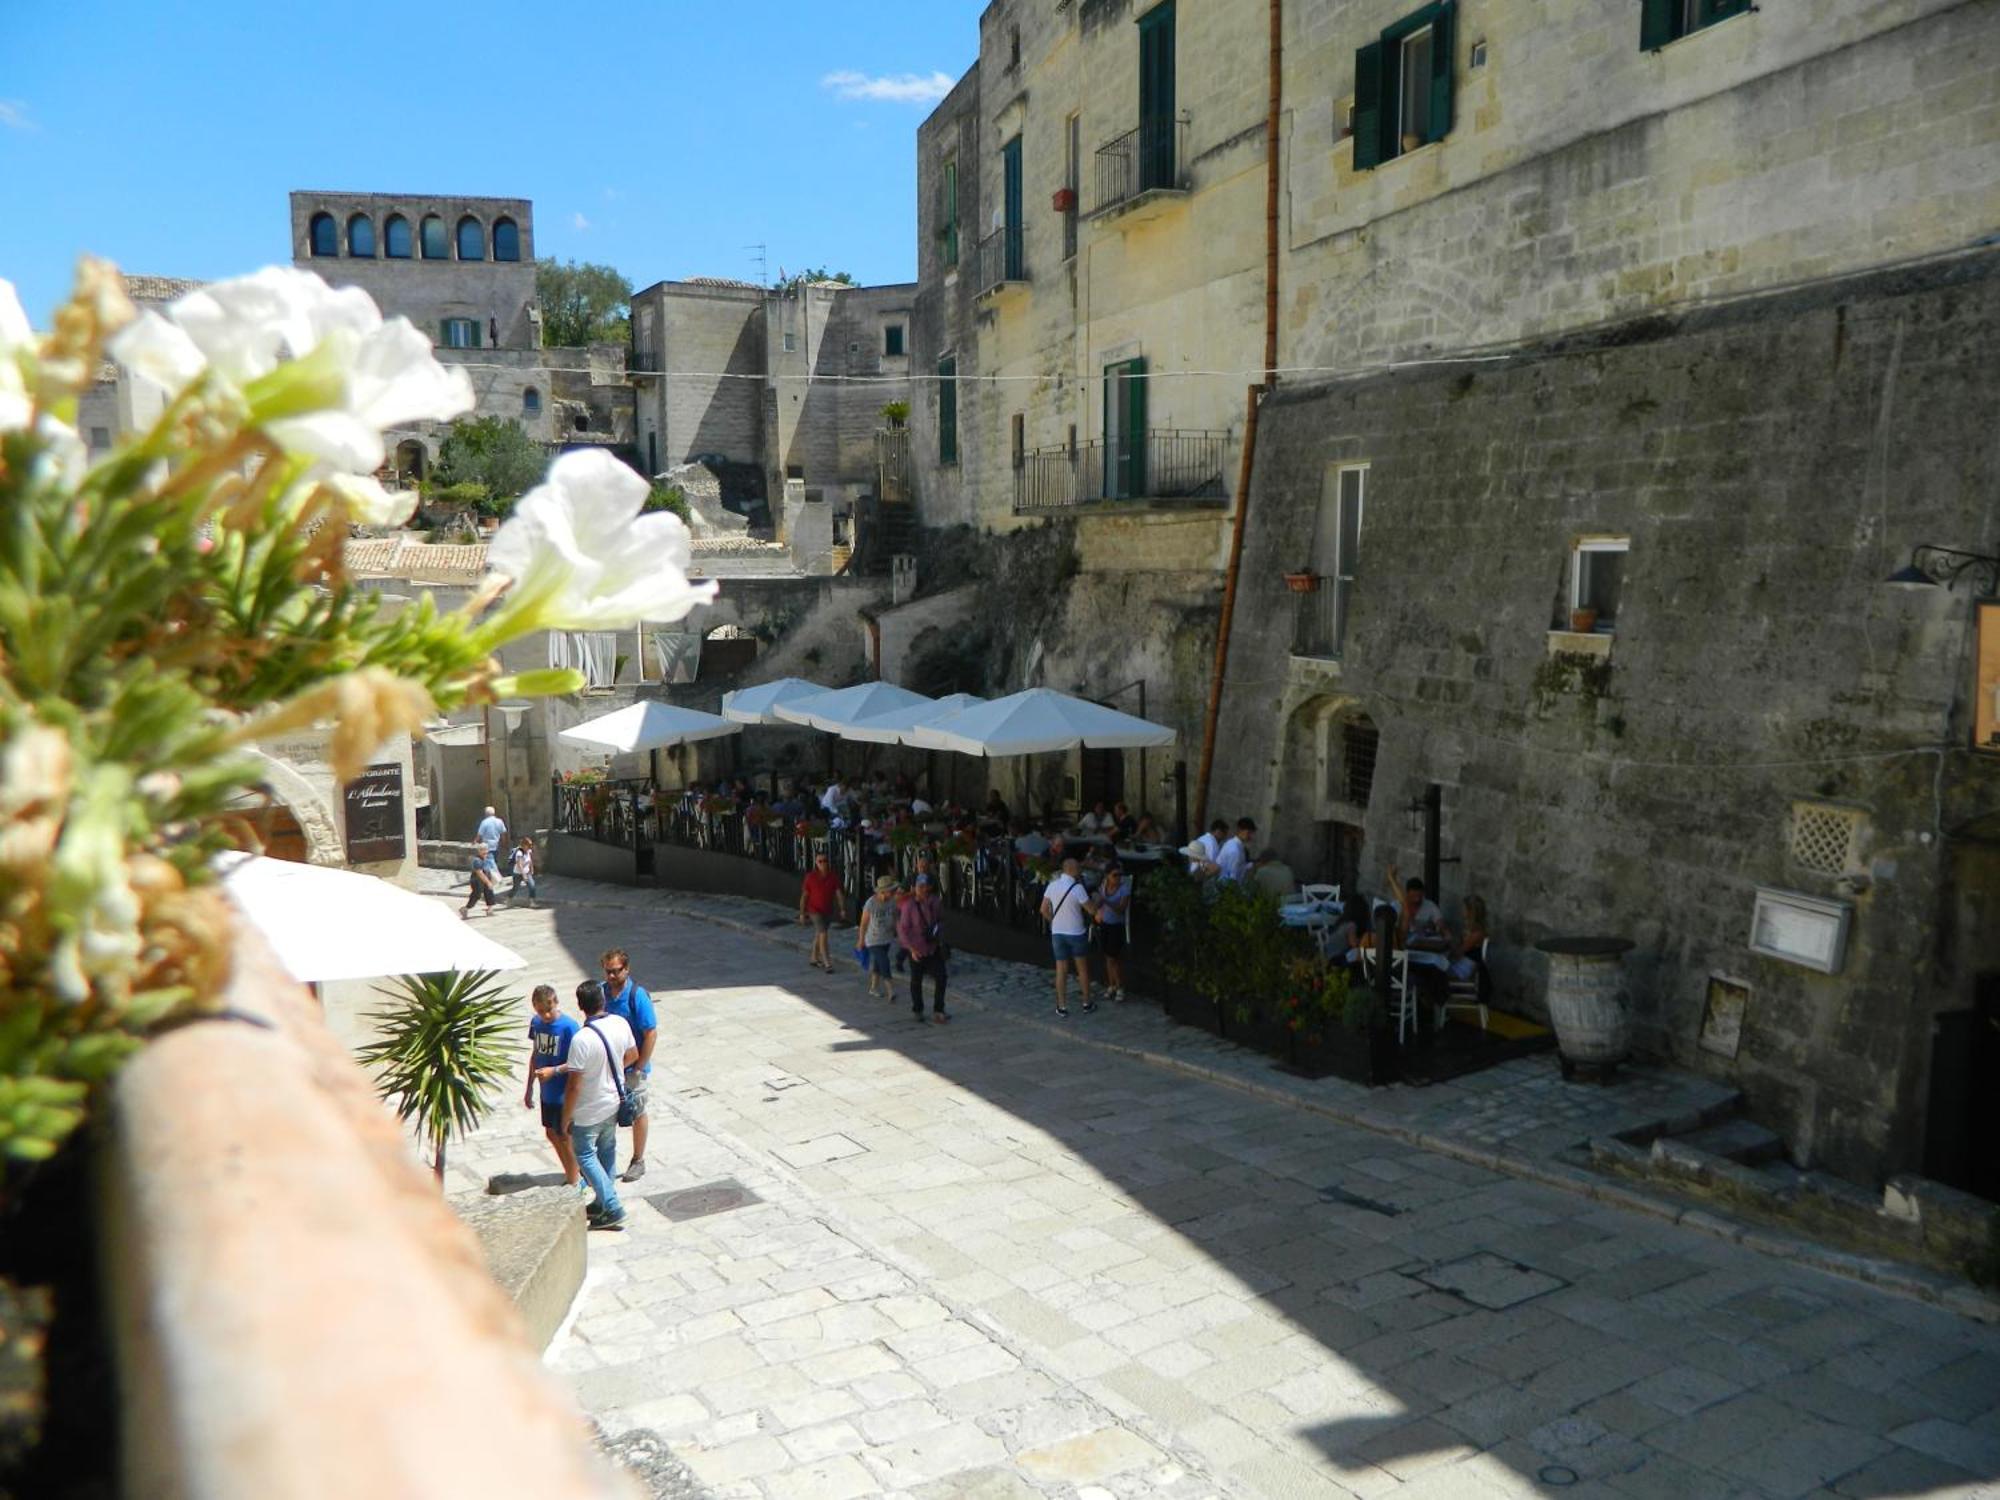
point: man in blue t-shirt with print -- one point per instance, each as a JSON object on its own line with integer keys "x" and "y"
{"x": 549, "y": 1035}
{"x": 625, "y": 999}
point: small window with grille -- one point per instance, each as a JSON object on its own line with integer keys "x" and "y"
{"x": 1825, "y": 839}
{"x": 1358, "y": 741}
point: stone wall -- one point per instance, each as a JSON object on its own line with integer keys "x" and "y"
{"x": 700, "y": 333}
{"x": 1770, "y": 461}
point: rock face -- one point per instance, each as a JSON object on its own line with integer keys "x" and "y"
{"x": 711, "y": 489}
{"x": 533, "y": 1244}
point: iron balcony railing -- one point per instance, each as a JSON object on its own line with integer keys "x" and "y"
{"x": 1151, "y": 158}
{"x": 1169, "y": 465}
{"x": 643, "y": 361}
{"x": 1319, "y": 619}
{"x": 1002, "y": 258}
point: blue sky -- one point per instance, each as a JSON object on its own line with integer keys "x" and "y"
{"x": 662, "y": 138}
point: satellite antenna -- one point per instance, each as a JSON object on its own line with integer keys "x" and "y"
{"x": 763, "y": 263}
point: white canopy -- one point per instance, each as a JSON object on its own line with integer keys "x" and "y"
{"x": 326, "y": 923}
{"x": 1037, "y": 721}
{"x": 650, "y": 725}
{"x": 900, "y": 724}
{"x": 758, "y": 705}
{"x": 834, "y": 711}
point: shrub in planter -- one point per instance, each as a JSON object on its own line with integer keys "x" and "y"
{"x": 1223, "y": 942}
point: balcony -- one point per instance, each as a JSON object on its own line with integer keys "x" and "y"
{"x": 1168, "y": 468}
{"x": 1319, "y": 619}
{"x": 642, "y": 362}
{"x": 1146, "y": 165}
{"x": 1001, "y": 261}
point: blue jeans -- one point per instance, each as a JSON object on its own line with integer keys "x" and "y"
{"x": 597, "y": 1154}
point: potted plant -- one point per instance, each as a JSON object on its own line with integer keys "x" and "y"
{"x": 896, "y": 413}
{"x": 444, "y": 1046}
{"x": 1302, "y": 582}
{"x": 1338, "y": 1029}
{"x": 1583, "y": 619}
{"x": 1064, "y": 200}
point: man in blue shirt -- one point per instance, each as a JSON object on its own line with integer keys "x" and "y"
{"x": 493, "y": 832}
{"x": 548, "y": 1049}
{"x": 624, "y": 998}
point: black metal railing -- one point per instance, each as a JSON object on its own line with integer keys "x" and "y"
{"x": 1150, "y": 158}
{"x": 620, "y": 813}
{"x": 1169, "y": 464}
{"x": 643, "y": 361}
{"x": 1002, "y": 258}
{"x": 1319, "y": 619}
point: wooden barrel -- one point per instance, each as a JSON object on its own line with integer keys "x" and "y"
{"x": 1586, "y": 999}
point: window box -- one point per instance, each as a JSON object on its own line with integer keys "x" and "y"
{"x": 1302, "y": 583}
{"x": 1064, "y": 200}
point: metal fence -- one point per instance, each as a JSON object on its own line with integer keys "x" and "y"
{"x": 1150, "y": 158}
{"x": 1002, "y": 257}
{"x": 1173, "y": 465}
{"x": 1319, "y": 620}
{"x": 606, "y": 812}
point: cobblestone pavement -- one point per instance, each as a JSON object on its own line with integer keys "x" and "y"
{"x": 990, "y": 1259}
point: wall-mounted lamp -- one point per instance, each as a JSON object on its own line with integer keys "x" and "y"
{"x": 513, "y": 713}
{"x": 1931, "y": 565}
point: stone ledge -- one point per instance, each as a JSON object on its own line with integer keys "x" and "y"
{"x": 1580, "y": 643}
{"x": 533, "y": 1244}
{"x": 294, "y": 1312}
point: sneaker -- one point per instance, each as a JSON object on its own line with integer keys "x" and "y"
{"x": 1061, "y": 1011}
{"x": 608, "y": 1221}
{"x": 1089, "y": 1006}
{"x": 634, "y": 1171}
{"x": 940, "y": 1018}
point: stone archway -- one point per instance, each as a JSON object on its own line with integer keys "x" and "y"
{"x": 1318, "y": 821}
{"x": 412, "y": 463}
{"x": 317, "y": 834}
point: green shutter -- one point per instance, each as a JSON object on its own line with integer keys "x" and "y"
{"x": 1368, "y": 106}
{"x": 444, "y": 332}
{"x": 1443, "y": 37}
{"x": 1656, "y": 23}
{"x": 475, "y": 333}
{"x": 950, "y": 212}
{"x": 948, "y": 411}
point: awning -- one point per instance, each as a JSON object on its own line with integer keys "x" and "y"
{"x": 650, "y": 725}
{"x": 1037, "y": 721}
{"x": 899, "y": 725}
{"x": 836, "y": 710}
{"x": 757, "y": 705}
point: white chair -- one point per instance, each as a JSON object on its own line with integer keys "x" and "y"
{"x": 1329, "y": 894}
{"x": 1468, "y": 994}
{"x": 1402, "y": 996}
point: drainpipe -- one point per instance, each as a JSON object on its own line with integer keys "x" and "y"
{"x": 1256, "y": 395}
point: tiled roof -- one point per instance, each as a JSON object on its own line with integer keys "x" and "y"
{"x": 405, "y": 556}
{"x": 371, "y": 554}
{"x": 721, "y": 281}
{"x": 158, "y": 288}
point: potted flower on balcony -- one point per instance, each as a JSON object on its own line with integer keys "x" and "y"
{"x": 1064, "y": 200}
{"x": 1304, "y": 581}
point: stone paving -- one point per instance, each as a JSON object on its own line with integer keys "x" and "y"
{"x": 992, "y": 1259}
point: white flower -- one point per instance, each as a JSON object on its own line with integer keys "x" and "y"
{"x": 582, "y": 557}
{"x": 16, "y": 339}
{"x": 317, "y": 367}
{"x": 367, "y": 503}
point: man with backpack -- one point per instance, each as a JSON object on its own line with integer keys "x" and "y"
{"x": 599, "y": 1053}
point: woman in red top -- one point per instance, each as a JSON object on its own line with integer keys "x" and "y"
{"x": 820, "y": 899}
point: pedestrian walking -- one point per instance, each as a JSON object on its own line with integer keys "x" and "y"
{"x": 524, "y": 872}
{"x": 920, "y": 928}
{"x": 878, "y": 936}
{"x": 492, "y": 831}
{"x": 625, "y": 999}
{"x": 549, "y": 1036}
{"x": 1114, "y": 911}
{"x": 485, "y": 877}
{"x": 820, "y": 898}
{"x": 1067, "y": 908}
{"x": 591, "y": 1099}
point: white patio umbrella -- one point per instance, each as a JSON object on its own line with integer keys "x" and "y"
{"x": 1037, "y": 721}
{"x": 899, "y": 725}
{"x": 650, "y": 725}
{"x": 758, "y": 705}
{"x": 326, "y": 923}
{"x": 834, "y": 711}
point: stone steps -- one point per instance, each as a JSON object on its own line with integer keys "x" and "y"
{"x": 1738, "y": 1139}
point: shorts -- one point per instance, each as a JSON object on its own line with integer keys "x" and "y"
{"x": 820, "y": 920}
{"x": 635, "y": 1087}
{"x": 1111, "y": 938}
{"x": 1069, "y": 945}
{"x": 878, "y": 959}
{"x": 552, "y": 1116}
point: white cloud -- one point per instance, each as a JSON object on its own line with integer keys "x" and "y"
{"x": 891, "y": 88}
{"x": 579, "y": 223}
{"x": 14, "y": 115}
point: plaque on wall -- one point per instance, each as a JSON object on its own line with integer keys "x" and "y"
{"x": 1986, "y": 686}
{"x": 374, "y": 807}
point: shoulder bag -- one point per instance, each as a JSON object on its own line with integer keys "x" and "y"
{"x": 628, "y": 1107}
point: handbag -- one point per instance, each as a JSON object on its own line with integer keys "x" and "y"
{"x": 628, "y": 1105}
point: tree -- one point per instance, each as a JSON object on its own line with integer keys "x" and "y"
{"x": 582, "y": 303}
{"x": 493, "y": 452}
{"x": 845, "y": 278}
{"x": 669, "y": 497}
{"x": 443, "y": 1048}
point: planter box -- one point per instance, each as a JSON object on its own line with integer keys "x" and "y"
{"x": 1266, "y": 1034}
{"x": 1362, "y": 1056}
{"x": 1191, "y": 1009}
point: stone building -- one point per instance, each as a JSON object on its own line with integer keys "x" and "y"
{"x": 463, "y": 271}
{"x": 1672, "y": 314}
{"x": 791, "y": 381}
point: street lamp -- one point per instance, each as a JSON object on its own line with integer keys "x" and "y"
{"x": 1931, "y": 565}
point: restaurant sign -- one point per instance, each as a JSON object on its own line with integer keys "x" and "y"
{"x": 374, "y": 807}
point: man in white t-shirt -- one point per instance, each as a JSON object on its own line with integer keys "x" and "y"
{"x": 833, "y": 797}
{"x": 1067, "y": 907}
{"x": 1233, "y": 863}
{"x": 599, "y": 1053}
{"x": 1210, "y": 844}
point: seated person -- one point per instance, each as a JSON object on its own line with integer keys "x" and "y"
{"x": 1465, "y": 961}
{"x": 1097, "y": 820}
{"x": 1123, "y": 824}
{"x": 1147, "y": 831}
{"x": 1420, "y": 924}
{"x": 995, "y": 810}
{"x": 920, "y": 808}
{"x": 1028, "y": 841}
{"x": 1201, "y": 861}
{"x": 1270, "y": 873}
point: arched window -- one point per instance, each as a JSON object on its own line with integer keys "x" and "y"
{"x": 396, "y": 238}
{"x": 325, "y": 235}
{"x": 506, "y": 240}
{"x": 361, "y": 236}
{"x": 436, "y": 246}
{"x": 583, "y": 421}
{"x": 531, "y": 402}
{"x": 471, "y": 239}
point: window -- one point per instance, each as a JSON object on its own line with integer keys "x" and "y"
{"x": 1012, "y": 243}
{"x": 100, "y": 439}
{"x": 1013, "y": 46}
{"x": 361, "y": 236}
{"x": 583, "y": 421}
{"x": 948, "y": 212}
{"x": 1663, "y": 21}
{"x": 471, "y": 239}
{"x": 1156, "y": 99}
{"x": 1402, "y": 86}
{"x": 436, "y": 246}
{"x": 1360, "y": 741}
{"x": 396, "y": 238}
{"x": 892, "y": 340}
{"x": 791, "y": 342}
{"x": 948, "y": 410}
{"x": 1125, "y": 430}
{"x": 506, "y": 240}
{"x": 1597, "y": 577}
{"x": 1335, "y": 560}
{"x": 1072, "y": 180}
{"x": 459, "y": 333}
{"x": 324, "y": 235}
{"x": 796, "y": 471}
{"x": 531, "y": 402}
{"x": 1020, "y": 439}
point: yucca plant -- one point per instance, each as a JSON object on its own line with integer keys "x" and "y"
{"x": 442, "y": 1051}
